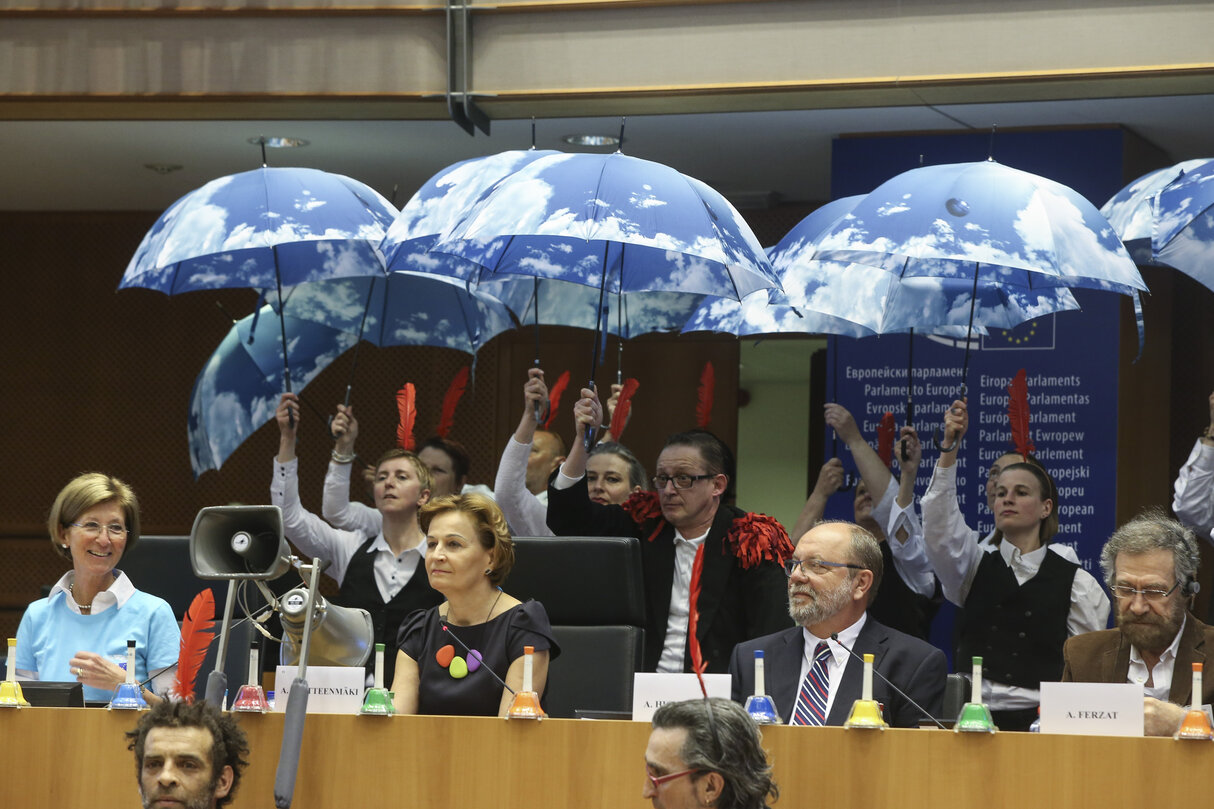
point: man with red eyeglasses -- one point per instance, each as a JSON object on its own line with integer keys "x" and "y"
{"x": 706, "y": 752}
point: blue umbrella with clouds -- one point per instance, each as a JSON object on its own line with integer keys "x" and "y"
{"x": 885, "y": 302}
{"x": 986, "y": 226}
{"x": 262, "y": 228}
{"x": 403, "y": 308}
{"x": 1183, "y": 233}
{"x": 447, "y": 196}
{"x": 615, "y": 223}
{"x": 946, "y": 221}
{"x": 440, "y": 203}
{"x": 1131, "y": 211}
{"x": 567, "y": 216}
{"x": 270, "y": 227}
{"x": 240, "y": 384}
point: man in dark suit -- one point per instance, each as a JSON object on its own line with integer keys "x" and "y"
{"x": 1149, "y": 564}
{"x": 701, "y": 559}
{"x": 835, "y": 569}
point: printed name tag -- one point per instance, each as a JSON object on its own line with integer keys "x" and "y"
{"x": 1092, "y": 709}
{"x": 331, "y": 689}
{"x": 651, "y": 690}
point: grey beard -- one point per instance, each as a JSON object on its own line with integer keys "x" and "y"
{"x": 821, "y": 606}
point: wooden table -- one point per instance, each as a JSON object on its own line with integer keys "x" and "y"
{"x": 77, "y": 758}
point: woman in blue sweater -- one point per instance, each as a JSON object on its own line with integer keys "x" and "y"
{"x": 80, "y": 631}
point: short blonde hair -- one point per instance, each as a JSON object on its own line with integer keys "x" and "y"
{"x": 490, "y": 525}
{"x": 423, "y": 471}
{"x": 81, "y": 494}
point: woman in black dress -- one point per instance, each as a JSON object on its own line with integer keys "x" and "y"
{"x": 443, "y": 651}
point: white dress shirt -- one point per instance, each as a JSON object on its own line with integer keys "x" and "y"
{"x": 1161, "y": 675}
{"x": 1193, "y": 494}
{"x": 316, "y": 538}
{"x": 672, "y": 659}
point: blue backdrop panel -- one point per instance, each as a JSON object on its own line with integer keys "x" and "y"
{"x": 1071, "y": 358}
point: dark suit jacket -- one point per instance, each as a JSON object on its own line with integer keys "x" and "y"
{"x": 915, "y": 666}
{"x": 1104, "y": 657}
{"x": 736, "y": 603}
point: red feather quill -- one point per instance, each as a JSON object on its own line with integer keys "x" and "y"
{"x": 554, "y": 398}
{"x": 886, "y": 431}
{"x": 619, "y": 417}
{"x": 704, "y": 396}
{"x": 408, "y": 414}
{"x": 459, "y": 383}
{"x": 698, "y": 663}
{"x": 1018, "y": 414}
{"x": 196, "y": 634}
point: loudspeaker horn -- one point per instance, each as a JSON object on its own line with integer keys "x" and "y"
{"x": 341, "y": 636}
{"x": 239, "y": 542}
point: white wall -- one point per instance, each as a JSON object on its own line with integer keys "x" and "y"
{"x": 773, "y": 428}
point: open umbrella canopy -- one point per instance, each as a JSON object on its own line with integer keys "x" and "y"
{"x": 562, "y": 303}
{"x": 262, "y": 228}
{"x": 854, "y": 299}
{"x": 404, "y": 308}
{"x": 572, "y": 216}
{"x": 1183, "y": 233}
{"x": 440, "y": 203}
{"x": 754, "y": 316}
{"x": 950, "y": 221}
{"x": 240, "y": 384}
{"x": 1131, "y": 211}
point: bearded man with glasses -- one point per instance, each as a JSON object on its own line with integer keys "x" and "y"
{"x": 814, "y": 672}
{"x": 691, "y": 543}
{"x": 1150, "y": 565}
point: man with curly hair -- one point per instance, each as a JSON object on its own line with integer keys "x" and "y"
{"x": 187, "y": 755}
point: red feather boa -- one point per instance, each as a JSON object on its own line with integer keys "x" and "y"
{"x": 752, "y": 538}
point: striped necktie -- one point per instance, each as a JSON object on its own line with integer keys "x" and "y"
{"x": 811, "y": 702}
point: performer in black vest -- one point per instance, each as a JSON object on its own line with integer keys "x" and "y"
{"x": 1021, "y": 600}
{"x": 383, "y": 574}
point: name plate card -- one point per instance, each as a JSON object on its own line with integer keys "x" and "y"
{"x": 650, "y": 690}
{"x": 1092, "y": 709}
{"x": 331, "y": 689}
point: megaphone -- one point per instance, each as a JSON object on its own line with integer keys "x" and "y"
{"x": 239, "y": 542}
{"x": 341, "y": 636}
{"x": 236, "y": 543}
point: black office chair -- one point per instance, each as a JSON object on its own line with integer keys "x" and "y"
{"x": 591, "y": 588}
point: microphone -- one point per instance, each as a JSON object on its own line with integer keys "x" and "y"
{"x": 835, "y": 637}
{"x": 484, "y": 665}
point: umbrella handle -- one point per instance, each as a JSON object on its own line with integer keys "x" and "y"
{"x": 591, "y": 432}
{"x": 542, "y": 411}
{"x": 939, "y": 446}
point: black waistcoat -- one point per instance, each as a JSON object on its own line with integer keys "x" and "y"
{"x": 1018, "y": 629}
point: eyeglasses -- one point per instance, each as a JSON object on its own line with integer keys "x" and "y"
{"x": 818, "y": 567}
{"x": 658, "y": 780}
{"x": 680, "y": 481}
{"x": 1126, "y": 592}
{"x": 92, "y": 530}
